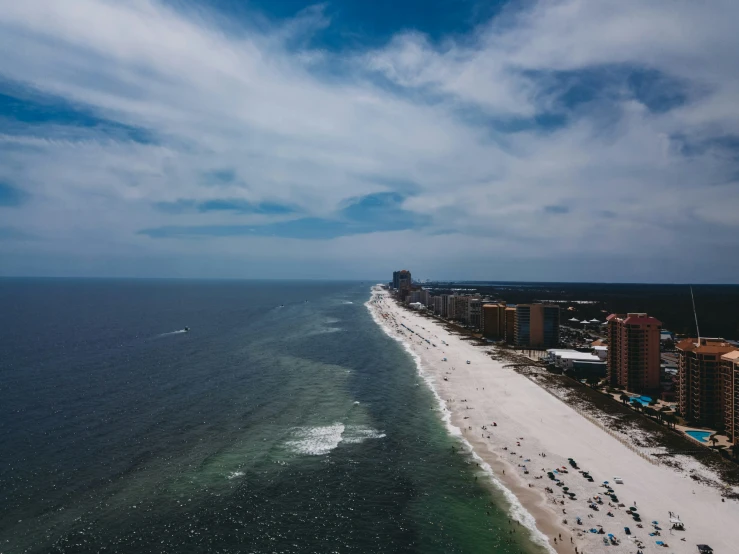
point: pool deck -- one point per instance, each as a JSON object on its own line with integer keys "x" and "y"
{"x": 722, "y": 440}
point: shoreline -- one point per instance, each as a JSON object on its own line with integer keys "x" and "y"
{"x": 536, "y": 432}
{"x": 505, "y": 484}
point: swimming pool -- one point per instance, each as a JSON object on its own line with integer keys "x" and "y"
{"x": 700, "y": 436}
{"x": 643, "y": 400}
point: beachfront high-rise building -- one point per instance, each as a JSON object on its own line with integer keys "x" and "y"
{"x": 634, "y": 351}
{"x": 404, "y": 283}
{"x": 730, "y": 389}
{"x": 536, "y": 326}
{"x": 510, "y": 325}
{"x": 460, "y": 308}
{"x": 700, "y": 392}
{"x": 493, "y": 321}
{"x": 396, "y": 280}
{"x": 474, "y": 312}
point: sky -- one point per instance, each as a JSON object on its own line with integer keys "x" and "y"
{"x": 557, "y": 140}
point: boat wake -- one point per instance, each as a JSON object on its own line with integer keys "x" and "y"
{"x": 178, "y": 332}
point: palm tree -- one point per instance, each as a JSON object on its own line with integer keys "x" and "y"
{"x": 624, "y": 398}
{"x": 669, "y": 419}
{"x": 713, "y": 440}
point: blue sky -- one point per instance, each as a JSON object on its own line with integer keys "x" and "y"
{"x": 549, "y": 140}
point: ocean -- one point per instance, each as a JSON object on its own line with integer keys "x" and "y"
{"x": 284, "y": 421}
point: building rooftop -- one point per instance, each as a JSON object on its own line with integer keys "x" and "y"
{"x": 706, "y": 346}
{"x": 732, "y": 356}
{"x": 635, "y": 318}
{"x": 569, "y": 354}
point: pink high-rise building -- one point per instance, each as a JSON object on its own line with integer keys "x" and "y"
{"x": 634, "y": 351}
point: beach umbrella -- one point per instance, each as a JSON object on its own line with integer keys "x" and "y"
{"x": 655, "y": 523}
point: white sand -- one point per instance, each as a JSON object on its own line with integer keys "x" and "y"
{"x": 483, "y": 392}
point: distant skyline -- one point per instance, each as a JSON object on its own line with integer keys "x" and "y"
{"x": 501, "y": 141}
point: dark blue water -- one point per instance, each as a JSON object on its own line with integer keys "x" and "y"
{"x": 285, "y": 420}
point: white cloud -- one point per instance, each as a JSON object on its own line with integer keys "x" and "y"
{"x": 220, "y": 95}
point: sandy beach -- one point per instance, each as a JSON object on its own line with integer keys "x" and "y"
{"x": 520, "y": 432}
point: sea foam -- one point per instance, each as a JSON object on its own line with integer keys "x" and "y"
{"x": 355, "y": 434}
{"x": 316, "y": 441}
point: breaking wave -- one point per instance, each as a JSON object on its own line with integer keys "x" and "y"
{"x": 320, "y": 440}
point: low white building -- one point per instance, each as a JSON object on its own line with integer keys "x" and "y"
{"x": 565, "y": 358}
{"x": 601, "y": 352}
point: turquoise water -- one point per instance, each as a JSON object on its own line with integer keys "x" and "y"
{"x": 701, "y": 436}
{"x": 643, "y": 400}
{"x": 284, "y": 421}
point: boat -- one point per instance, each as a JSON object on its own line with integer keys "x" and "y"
{"x": 186, "y": 329}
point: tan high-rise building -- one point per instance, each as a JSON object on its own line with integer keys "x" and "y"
{"x": 493, "y": 321}
{"x": 701, "y": 393}
{"x": 510, "y": 325}
{"x": 634, "y": 351}
{"x": 537, "y": 326}
{"x": 730, "y": 387}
